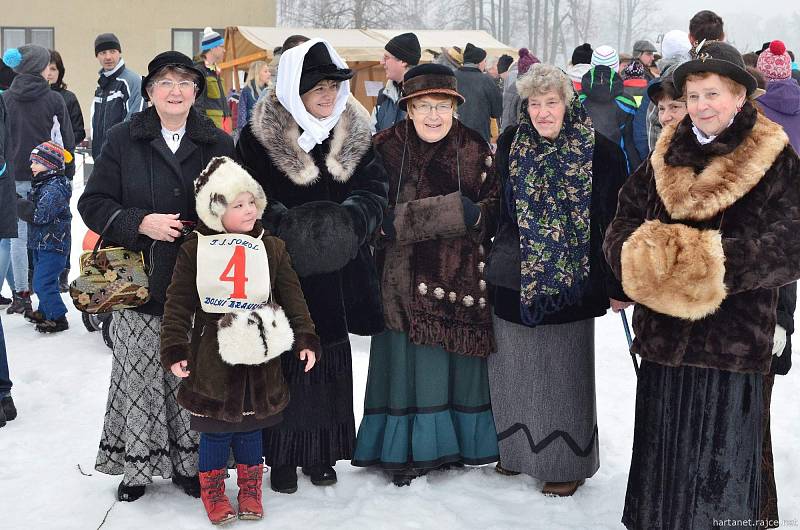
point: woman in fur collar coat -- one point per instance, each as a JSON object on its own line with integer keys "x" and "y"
{"x": 706, "y": 232}
{"x": 427, "y": 398}
{"x": 140, "y": 191}
{"x": 549, "y": 286}
{"x": 309, "y": 146}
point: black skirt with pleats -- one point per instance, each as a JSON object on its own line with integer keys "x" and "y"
{"x": 696, "y": 450}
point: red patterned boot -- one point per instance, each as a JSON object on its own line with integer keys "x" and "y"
{"x": 249, "y": 479}
{"x": 212, "y": 493}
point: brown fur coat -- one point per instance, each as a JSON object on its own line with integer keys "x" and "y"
{"x": 703, "y": 238}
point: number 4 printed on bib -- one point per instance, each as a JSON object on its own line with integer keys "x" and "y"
{"x": 235, "y": 272}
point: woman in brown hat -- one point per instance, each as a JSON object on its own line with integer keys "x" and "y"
{"x": 427, "y": 399}
{"x": 706, "y": 232}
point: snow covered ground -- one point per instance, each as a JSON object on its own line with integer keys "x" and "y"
{"x": 60, "y": 388}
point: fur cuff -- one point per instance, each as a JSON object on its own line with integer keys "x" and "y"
{"x": 674, "y": 269}
{"x": 255, "y": 337}
{"x": 173, "y": 354}
{"x": 307, "y": 341}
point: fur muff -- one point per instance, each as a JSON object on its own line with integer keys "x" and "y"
{"x": 674, "y": 269}
{"x": 320, "y": 228}
{"x": 254, "y": 338}
{"x": 695, "y": 196}
{"x": 274, "y": 127}
{"x": 218, "y": 185}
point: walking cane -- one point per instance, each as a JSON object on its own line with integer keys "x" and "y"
{"x": 630, "y": 340}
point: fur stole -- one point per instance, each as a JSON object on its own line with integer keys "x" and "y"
{"x": 277, "y": 132}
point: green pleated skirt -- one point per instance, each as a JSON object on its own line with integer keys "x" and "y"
{"x": 424, "y": 407}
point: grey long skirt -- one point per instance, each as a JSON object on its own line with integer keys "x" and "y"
{"x": 543, "y": 399}
{"x": 145, "y": 432}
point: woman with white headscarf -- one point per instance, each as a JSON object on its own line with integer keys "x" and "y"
{"x": 309, "y": 146}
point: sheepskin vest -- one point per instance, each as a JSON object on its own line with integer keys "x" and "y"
{"x": 703, "y": 238}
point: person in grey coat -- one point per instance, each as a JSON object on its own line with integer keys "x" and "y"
{"x": 483, "y": 99}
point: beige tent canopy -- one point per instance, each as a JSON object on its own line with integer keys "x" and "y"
{"x": 360, "y": 48}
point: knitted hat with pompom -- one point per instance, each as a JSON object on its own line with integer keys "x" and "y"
{"x": 774, "y": 62}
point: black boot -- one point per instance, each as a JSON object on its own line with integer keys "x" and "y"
{"x": 8, "y": 408}
{"x": 34, "y": 317}
{"x": 129, "y": 493}
{"x": 20, "y": 304}
{"x": 189, "y": 485}
{"x": 283, "y": 479}
{"x": 321, "y": 475}
{"x": 2, "y": 418}
{"x": 5, "y": 302}
{"x": 53, "y": 326}
{"x": 63, "y": 281}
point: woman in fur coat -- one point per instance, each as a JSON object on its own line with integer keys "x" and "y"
{"x": 427, "y": 399}
{"x": 309, "y": 146}
{"x": 706, "y": 232}
{"x": 548, "y": 286}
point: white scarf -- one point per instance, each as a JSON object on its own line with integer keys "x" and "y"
{"x": 703, "y": 138}
{"x": 290, "y": 69}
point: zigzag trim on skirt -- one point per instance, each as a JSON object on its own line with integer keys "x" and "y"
{"x": 153, "y": 452}
{"x": 553, "y": 436}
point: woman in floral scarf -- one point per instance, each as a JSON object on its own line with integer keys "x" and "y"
{"x": 549, "y": 280}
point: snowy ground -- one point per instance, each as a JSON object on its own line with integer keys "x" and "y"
{"x": 60, "y": 388}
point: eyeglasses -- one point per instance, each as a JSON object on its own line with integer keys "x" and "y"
{"x": 169, "y": 84}
{"x": 427, "y": 108}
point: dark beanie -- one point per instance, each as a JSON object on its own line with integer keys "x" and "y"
{"x": 504, "y": 63}
{"x": 405, "y": 47}
{"x": 473, "y": 54}
{"x": 106, "y": 41}
{"x": 582, "y": 54}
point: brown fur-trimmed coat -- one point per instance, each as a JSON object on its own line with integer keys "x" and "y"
{"x": 703, "y": 238}
{"x": 432, "y": 274}
{"x": 214, "y": 388}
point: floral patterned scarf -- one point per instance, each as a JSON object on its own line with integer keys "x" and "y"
{"x": 551, "y": 182}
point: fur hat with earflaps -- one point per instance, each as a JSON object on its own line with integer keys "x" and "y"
{"x": 218, "y": 185}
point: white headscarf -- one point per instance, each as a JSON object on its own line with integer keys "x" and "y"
{"x": 290, "y": 69}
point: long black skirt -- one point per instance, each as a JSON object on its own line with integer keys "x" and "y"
{"x": 696, "y": 450}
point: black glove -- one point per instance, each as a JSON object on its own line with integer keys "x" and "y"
{"x": 25, "y": 209}
{"x": 388, "y": 226}
{"x": 472, "y": 212}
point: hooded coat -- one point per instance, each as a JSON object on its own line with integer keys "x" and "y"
{"x": 139, "y": 175}
{"x": 703, "y": 238}
{"x": 781, "y": 104}
{"x": 214, "y": 388}
{"x": 611, "y": 109}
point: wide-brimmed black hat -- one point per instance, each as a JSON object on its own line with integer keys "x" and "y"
{"x": 719, "y": 58}
{"x": 318, "y": 65}
{"x": 172, "y": 58}
{"x": 429, "y": 79}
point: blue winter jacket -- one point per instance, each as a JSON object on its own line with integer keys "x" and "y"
{"x": 49, "y": 224}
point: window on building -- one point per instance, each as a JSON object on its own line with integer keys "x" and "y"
{"x": 187, "y": 40}
{"x": 16, "y": 37}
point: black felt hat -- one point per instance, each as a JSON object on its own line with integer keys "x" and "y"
{"x": 172, "y": 58}
{"x": 719, "y": 58}
{"x": 504, "y": 63}
{"x": 473, "y": 54}
{"x": 318, "y": 65}
{"x": 405, "y": 47}
{"x": 429, "y": 79}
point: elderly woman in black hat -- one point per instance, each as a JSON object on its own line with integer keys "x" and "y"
{"x": 427, "y": 399}
{"x": 706, "y": 232}
{"x": 141, "y": 197}
{"x": 309, "y": 146}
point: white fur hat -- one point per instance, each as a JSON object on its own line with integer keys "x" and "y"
{"x": 218, "y": 185}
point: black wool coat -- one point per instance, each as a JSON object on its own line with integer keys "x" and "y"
{"x": 703, "y": 238}
{"x": 326, "y": 205}
{"x": 8, "y": 194}
{"x": 609, "y": 172}
{"x": 139, "y": 175}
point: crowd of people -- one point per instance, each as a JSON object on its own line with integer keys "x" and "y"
{"x": 474, "y": 226}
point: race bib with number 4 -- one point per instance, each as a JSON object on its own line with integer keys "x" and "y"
{"x": 232, "y": 273}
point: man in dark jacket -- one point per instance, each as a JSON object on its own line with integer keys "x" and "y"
{"x": 118, "y": 93}
{"x": 34, "y": 114}
{"x": 212, "y": 101}
{"x": 611, "y": 109}
{"x": 8, "y": 229}
{"x": 401, "y": 53}
{"x": 483, "y": 99}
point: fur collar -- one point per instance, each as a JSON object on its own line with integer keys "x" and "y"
{"x": 146, "y": 125}
{"x": 277, "y": 132}
{"x": 698, "y": 191}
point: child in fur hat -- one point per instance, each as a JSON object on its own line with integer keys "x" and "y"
{"x": 223, "y": 333}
